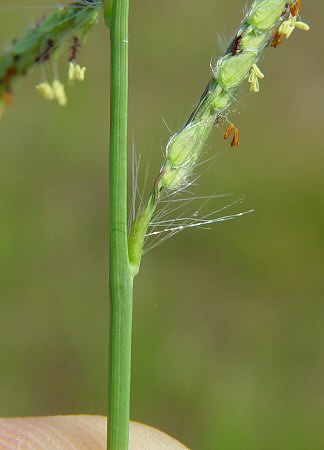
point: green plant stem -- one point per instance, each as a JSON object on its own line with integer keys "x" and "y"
{"x": 120, "y": 279}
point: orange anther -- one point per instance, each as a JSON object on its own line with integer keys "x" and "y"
{"x": 293, "y": 9}
{"x": 276, "y": 40}
{"x": 298, "y": 4}
{"x": 229, "y": 131}
{"x": 7, "y": 98}
{"x": 235, "y": 140}
{"x": 9, "y": 74}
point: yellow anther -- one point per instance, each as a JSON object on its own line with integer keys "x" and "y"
{"x": 59, "y": 92}
{"x": 302, "y": 25}
{"x": 254, "y": 86}
{"x": 46, "y": 90}
{"x": 255, "y": 73}
{"x": 76, "y": 72}
{"x": 288, "y": 26}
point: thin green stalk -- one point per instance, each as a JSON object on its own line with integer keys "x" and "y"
{"x": 121, "y": 281}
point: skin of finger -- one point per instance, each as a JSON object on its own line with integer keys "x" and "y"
{"x": 76, "y": 432}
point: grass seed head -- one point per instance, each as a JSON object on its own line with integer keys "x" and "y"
{"x": 264, "y": 24}
{"x": 45, "y": 41}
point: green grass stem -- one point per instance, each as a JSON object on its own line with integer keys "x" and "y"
{"x": 120, "y": 279}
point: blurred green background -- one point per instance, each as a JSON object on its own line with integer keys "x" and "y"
{"x": 228, "y": 322}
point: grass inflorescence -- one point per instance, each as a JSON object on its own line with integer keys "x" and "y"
{"x": 45, "y": 41}
{"x": 264, "y": 25}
